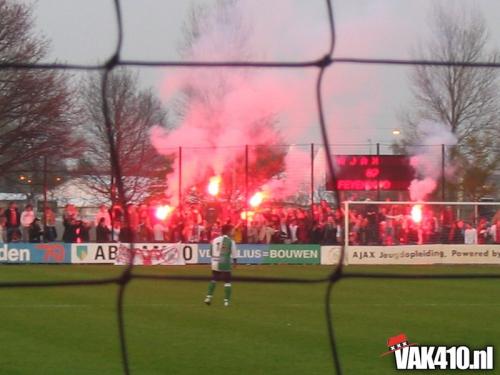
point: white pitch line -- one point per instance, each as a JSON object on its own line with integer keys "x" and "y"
{"x": 74, "y": 306}
{"x": 420, "y": 304}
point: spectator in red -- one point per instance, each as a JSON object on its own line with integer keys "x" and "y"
{"x": 482, "y": 231}
{"x": 447, "y": 223}
{"x": 12, "y": 221}
{"x": 495, "y": 232}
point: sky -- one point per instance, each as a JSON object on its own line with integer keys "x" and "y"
{"x": 361, "y": 102}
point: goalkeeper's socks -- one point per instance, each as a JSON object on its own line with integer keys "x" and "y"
{"x": 227, "y": 294}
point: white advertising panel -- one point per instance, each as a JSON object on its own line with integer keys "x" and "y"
{"x": 424, "y": 254}
{"x": 330, "y": 255}
{"x": 145, "y": 253}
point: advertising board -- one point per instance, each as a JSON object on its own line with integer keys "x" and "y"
{"x": 146, "y": 253}
{"x": 424, "y": 254}
{"x": 20, "y": 252}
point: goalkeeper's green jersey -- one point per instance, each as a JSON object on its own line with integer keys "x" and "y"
{"x": 222, "y": 251}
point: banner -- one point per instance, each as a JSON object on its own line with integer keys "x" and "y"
{"x": 169, "y": 254}
{"x": 269, "y": 254}
{"x": 330, "y": 255}
{"x": 424, "y": 254}
{"x": 20, "y": 252}
{"x": 246, "y": 253}
{"x": 251, "y": 254}
{"x": 292, "y": 254}
{"x": 106, "y": 253}
{"x": 187, "y": 253}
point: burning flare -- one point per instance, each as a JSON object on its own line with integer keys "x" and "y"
{"x": 256, "y": 199}
{"x": 214, "y": 185}
{"x": 245, "y": 213}
{"x": 416, "y": 213}
{"x": 162, "y": 212}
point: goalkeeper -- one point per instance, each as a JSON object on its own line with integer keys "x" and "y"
{"x": 222, "y": 252}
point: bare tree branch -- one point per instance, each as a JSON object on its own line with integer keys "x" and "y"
{"x": 133, "y": 112}
{"x": 464, "y": 99}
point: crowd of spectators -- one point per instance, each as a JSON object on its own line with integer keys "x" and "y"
{"x": 393, "y": 224}
{"x": 369, "y": 224}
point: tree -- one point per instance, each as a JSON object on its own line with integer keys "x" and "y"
{"x": 37, "y": 109}
{"x": 133, "y": 111}
{"x": 465, "y": 100}
{"x": 36, "y": 177}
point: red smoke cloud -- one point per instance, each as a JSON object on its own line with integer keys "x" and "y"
{"x": 223, "y": 108}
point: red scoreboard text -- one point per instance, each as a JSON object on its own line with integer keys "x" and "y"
{"x": 371, "y": 172}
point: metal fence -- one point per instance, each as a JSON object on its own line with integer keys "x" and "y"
{"x": 285, "y": 174}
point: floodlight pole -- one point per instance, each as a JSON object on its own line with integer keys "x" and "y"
{"x": 246, "y": 194}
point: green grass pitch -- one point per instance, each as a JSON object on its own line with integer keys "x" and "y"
{"x": 269, "y": 329}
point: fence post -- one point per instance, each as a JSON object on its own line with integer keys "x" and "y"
{"x": 312, "y": 178}
{"x": 246, "y": 195}
{"x": 180, "y": 177}
{"x": 378, "y": 175}
{"x": 443, "y": 178}
{"x": 45, "y": 188}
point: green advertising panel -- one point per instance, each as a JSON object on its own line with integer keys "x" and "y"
{"x": 292, "y": 254}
